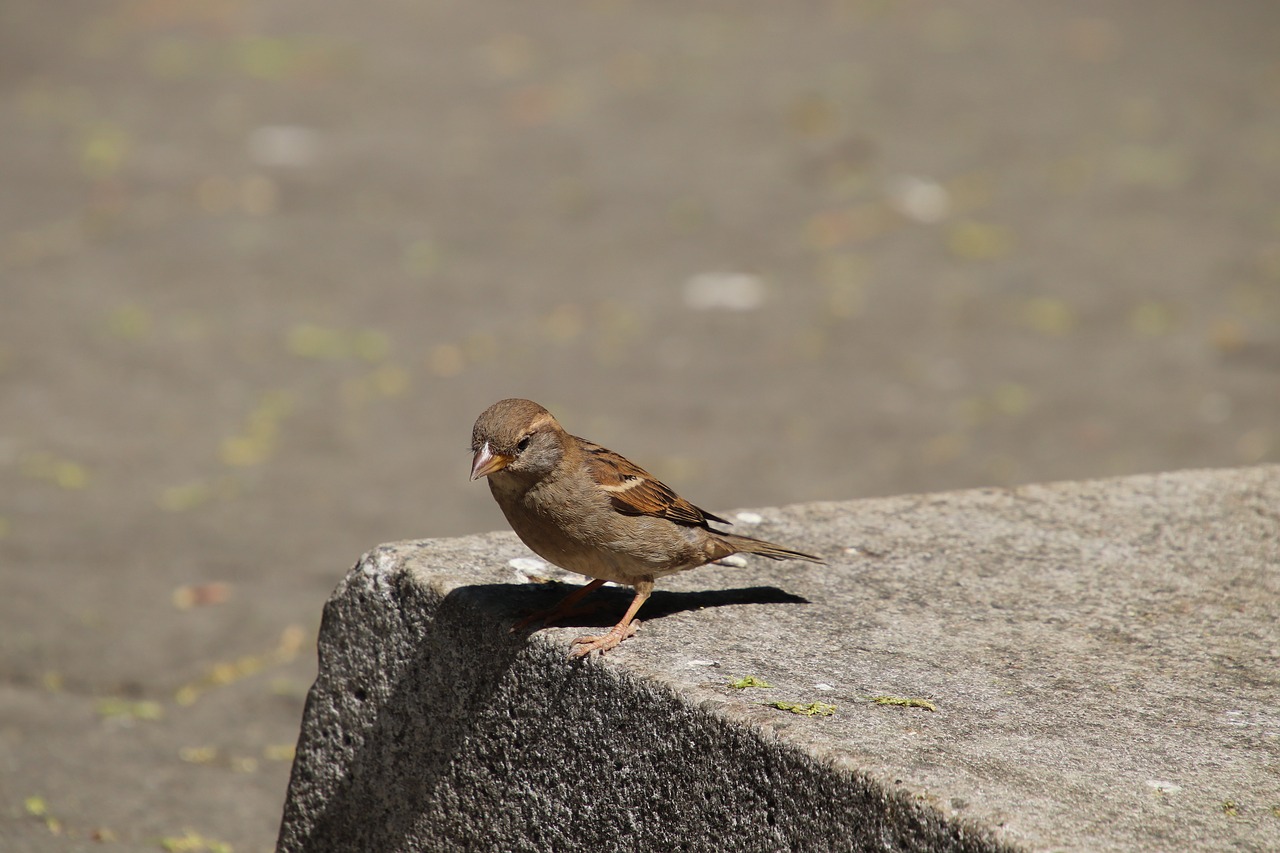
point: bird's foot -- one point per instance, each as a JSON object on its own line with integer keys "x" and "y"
{"x": 552, "y": 615}
{"x": 567, "y": 607}
{"x": 528, "y": 620}
{"x": 601, "y": 643}
{"x": 532, "y": 619}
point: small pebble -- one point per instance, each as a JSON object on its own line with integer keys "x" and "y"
{"x": 919, "y": 199}
{"x": 822, "y": 685}
{"x": 724, "y": 290}
{"x": 532, "y": 570}
{"x": 286, "y": 145}
{"x": 749, "y": 518}
{"x": 702, "y": 663}
{"x": 733, "y": 561}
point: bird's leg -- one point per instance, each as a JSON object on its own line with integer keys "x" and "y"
{"x": 603, "y": 642}
{"x": 561, "y": 610}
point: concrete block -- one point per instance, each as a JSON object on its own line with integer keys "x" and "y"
{"x": 1102, "y": 660}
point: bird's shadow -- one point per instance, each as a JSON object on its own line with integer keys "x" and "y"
{"x": 606, "y": 605}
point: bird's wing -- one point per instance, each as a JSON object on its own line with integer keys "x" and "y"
{"x": 634, "y": 491}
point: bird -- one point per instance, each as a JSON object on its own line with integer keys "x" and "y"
{"x": 587, "y": 509}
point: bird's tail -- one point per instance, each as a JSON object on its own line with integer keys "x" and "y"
{"x": 748, "y": 545}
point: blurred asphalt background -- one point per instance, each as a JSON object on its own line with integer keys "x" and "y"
{"x": 262, "y": 264}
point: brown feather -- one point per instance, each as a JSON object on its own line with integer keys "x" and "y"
{"x": 634, "y": 491}
{"x": 750, "y": 545}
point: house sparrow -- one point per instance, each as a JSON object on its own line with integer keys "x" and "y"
{"x": 589, "y": 510}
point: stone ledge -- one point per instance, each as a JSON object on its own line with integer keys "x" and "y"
{"x": 1103, "y": 658}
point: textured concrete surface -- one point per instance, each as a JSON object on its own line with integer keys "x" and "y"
{"x": 1102, "y": 659}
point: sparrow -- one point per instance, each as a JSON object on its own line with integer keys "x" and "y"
{"x": 591, "y": 511}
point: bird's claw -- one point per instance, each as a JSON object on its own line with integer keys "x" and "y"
{"x": 527, "y": 621}
{"x": 583, "y": 646}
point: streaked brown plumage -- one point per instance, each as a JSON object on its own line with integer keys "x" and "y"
{"x": 592, "y": 511}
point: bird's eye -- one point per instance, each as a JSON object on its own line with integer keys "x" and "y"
{"x": 524, "y": 444}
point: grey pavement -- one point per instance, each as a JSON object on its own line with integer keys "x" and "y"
{"x": 261, "y": 265}
{"x": 1078, "y": 666}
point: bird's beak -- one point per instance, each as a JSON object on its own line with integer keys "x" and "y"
{"x": 487, "y": 462}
